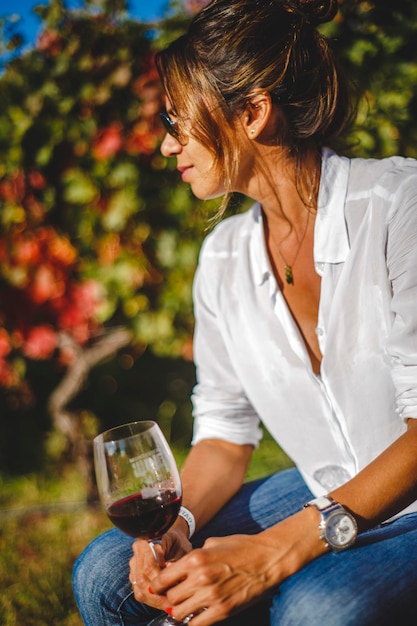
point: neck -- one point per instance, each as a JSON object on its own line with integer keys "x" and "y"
{"x": 286, "y": 228}
{"x": 283, "y": 192}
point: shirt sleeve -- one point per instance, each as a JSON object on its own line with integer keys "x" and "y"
{"x": 221, "y": 408}
{"x": 402, "y": 268}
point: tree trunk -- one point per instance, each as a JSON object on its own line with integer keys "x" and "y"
{"x": 67, "y": 422}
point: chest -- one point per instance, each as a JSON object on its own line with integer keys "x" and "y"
{"x": 302, "y": 298}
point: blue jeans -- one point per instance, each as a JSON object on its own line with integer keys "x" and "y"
{"x": 372, "y": 584}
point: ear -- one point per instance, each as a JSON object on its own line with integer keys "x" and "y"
{"x": 257, "y": 114}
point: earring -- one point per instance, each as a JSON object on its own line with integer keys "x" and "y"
{"x": 252, "y": 131}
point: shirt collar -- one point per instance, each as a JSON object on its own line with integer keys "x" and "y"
{"x": 331, "y": 241}
{"x": 261, "y": 265}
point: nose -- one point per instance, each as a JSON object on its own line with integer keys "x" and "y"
{"x": 170, "y": 146}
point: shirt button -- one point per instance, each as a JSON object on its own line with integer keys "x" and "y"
{"x": 319, "y": 267}
{"x": 319, "y": 331}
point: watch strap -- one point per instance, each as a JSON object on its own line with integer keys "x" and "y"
{"x": 320, "y": 503}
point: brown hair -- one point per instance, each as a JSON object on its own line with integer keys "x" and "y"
{"x": 234, "y": 47}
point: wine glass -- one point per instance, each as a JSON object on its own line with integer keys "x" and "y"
{"x": 139, "y": 485}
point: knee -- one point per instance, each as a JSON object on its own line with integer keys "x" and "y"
{"x": 88, "y": 570}
{"x": 102, "y": 568}
{"x": 82, "y": 577}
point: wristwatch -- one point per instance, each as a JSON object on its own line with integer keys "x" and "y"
{"x": 338, "y": 527}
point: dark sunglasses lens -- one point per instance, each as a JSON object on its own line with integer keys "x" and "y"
{"x": 169, "y": 125}
{"x": 166, "y": 122}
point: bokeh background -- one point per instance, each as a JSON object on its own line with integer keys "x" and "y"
{"x": 99, "y": 242}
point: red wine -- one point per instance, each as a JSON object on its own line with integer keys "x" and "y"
{"x": 145, "y": 517}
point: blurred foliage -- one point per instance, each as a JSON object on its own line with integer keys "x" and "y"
{"x": 97, "y": 234}
{"x": 375, "y": 40}
{"x": 94, "y": 230}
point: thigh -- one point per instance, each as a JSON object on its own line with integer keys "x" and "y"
{"x": 372, "y": 584}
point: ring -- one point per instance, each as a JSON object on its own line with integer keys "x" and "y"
{"x": 134, "y": 582}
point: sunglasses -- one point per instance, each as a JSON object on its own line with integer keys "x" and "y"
{"x": 173, "y": 128}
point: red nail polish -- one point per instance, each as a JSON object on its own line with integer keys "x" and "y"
{"x": 150, "y": 590}
{"x": 169, "y": 611}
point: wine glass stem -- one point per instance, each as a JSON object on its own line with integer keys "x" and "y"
{"x": 157, "y": 554}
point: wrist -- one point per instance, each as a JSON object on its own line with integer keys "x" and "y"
{"x": 181, "y": 526}
{"x": 311, "y": 521}
{"x": 337, "y": 528}
{"x": 295, "y": 542}
{"x": 186, "y": 515}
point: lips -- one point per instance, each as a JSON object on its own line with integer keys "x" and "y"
{"x": 184, "y": 170}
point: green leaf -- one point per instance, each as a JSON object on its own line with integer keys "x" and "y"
{"x": 122, "y": 205}
{"x": 123, "y": 174}
{"x": 79, "y": 188}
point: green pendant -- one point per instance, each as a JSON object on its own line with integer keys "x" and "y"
{"x": 288, "y": 275}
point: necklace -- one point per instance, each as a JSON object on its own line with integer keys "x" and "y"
{"x": 289, "y": 277}
{"x": 287, "y": 266}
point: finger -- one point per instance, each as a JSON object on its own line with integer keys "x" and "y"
{"x": 189, "y": 599}
{"x": 203, "y": 617}
{"x": 143, "y": 593}
{"x": 178, "y": 571}
{"x": 140, "y": 576}
{"x": 143, "y": 563}
{"x": 132, "y": 571}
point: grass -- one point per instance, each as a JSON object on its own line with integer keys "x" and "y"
{"x": 44, "y": 526}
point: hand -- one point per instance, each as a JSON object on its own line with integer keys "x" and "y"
{"x": 144, "y": 568}
{"x": 225, "y": 576}
{"x": 231, "y": 573}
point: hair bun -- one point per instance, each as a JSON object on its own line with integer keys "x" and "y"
{"x": 314, "y": 12}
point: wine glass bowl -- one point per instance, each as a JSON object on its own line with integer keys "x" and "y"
{"x": 137, "y": 478}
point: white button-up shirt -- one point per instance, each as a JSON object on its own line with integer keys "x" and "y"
{"x": 252, "y": 363}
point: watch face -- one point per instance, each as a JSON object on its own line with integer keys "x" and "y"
{"x": 340, "y": 529}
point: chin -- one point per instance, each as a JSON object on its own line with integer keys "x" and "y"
{"x": 204, "y": 194}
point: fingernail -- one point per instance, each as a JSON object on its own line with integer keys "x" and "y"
{"x": 150, "y": 590}
{"x": 169, "y": 611}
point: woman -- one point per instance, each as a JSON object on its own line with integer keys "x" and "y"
{"x": 306, "y": 319}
